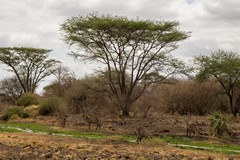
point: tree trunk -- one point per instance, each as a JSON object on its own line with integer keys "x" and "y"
{"x": 236, "y": 107}
{"x": 232, "y": 107}
{"x": 125, "y": 111}
{"x": 125, "y": 108}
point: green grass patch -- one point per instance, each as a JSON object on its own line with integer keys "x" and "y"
{"x": 189, "y": 143}
{"x": 33, "y": 127}
{"x": 84, "y": 135}
{"x": 128, "y": 138}
{"x": 38, "y": 128}
{"x": 178, "y": 141}
{"x": 7, "y": 129}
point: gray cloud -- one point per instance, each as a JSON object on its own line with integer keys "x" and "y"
{"x": 214, "y": 24}
{"x": 224, "y": 11}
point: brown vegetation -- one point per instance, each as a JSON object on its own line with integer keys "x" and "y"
{"x": 32, "y": 146}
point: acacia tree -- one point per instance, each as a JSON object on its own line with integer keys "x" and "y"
{"x": 224, "y": 66}
{"x": 128, "y": 48}
{"x": 30, "y": 65}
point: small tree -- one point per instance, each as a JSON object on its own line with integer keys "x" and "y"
{"x": 51, "y": 106}
{"x": 222, "y": 66}
{"x": 10, "y": 89}
{"x": 64, "y": 80}
{"x": 30, "y": 65}
{"x": 128, "y": 48}
{"x": 28, "y": 99}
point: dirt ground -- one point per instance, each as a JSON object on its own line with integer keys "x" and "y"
{"x": 35, "y": 146}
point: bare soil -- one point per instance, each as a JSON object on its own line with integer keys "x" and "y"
{"x": 36, "y": 146}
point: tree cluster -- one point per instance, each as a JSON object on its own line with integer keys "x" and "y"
{"x": 139, "y": 69}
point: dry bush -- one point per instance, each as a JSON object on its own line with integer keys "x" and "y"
{"x": 147, "y": 104}
{"x": 3, "y": 105}
{"x": 90, "y": 91}
{"x": 189, "y": 96}
{"x": 51, "y": 106}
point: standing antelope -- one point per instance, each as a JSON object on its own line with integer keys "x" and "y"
{"x": 141, "y": 132}
{"x": 92, "y": 120}
{"x": 63, "y": 119}
{"x": 91, "y": 117}
{"x": 191, "y": 128}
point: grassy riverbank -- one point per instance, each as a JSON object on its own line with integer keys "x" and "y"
{"x": 176, "y": 141}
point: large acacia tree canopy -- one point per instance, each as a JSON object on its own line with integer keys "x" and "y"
{"x": 119, "y": 35}
{"x": 131, "y": 49}
{"x": 30, "y": 65}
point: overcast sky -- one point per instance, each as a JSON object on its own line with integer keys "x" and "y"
{"x": 31, "y": 23}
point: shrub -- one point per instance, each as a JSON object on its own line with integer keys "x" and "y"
{"x": 185, "y": 96}
{"x": 13, "y": 117}
{"x": 219, "y": 124}
{"x": 32, "y": 110}
{"x": 17, "y": 111}
{"x": 28, "y": 99}
{"x": 49, "y": 106}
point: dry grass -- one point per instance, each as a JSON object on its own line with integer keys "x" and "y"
{"x": 28, "y": 146}
{"x": 34, "y": 146}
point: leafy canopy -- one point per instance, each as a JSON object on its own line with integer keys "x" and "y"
{"x": 223, "y": 66}
{"x": 30, "y": 65}
{"x": 99, "y": 35}
{"x": 131, "y": 49}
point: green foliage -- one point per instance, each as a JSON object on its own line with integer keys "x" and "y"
{"x": 30, "y": 65}
{"x": 28, "y": 99}
{"x": 219, "y": 124}
{"x": 224, "y": 67}
{"x": 19, "y": 111}
{"x": 51, "y": 105}
{"x": 126, "y": 30}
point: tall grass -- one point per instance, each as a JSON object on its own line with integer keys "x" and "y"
{"x": 219, "y": 124}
